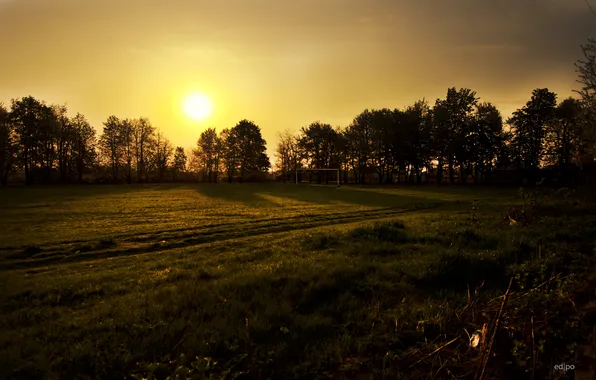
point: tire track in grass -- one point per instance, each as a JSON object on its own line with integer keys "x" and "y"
{"x": 298, "y": 220}
{"x": 162, "y": 233}
{"x": 187, "y": 237}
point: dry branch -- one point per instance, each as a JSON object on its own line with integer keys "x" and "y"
{"x": 488, "y": 352}
{"x": 435, "y": 351}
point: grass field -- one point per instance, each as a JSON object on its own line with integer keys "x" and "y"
{"x": 271, "y": 281}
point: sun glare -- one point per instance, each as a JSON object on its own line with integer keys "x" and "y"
{"x": 198, "y": 107}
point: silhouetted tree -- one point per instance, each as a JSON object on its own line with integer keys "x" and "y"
{"x": 286, "y": 154}
{"x": 251, "y": 149}
{"x": 484, "y": 140}
{"x": 383, "y": 134}
{"x": 29, "y": 117}
{"x": 144, "y": 133}
{"x": 208, "y": 154}
{"x": 459, "y": 106}
{"x": 359, "y": 135}
{"x": 110, "y": 145}
{"x": 342, "y": 153}
{"x": 179, "y": 162}
{"x": 563, "y": 136}
{"x": 317, "y": 143}
{"x": 440, "y": 137}
{"x": 586, "y": 69}
{"x": 161, "y": 153}
{"x": 64, "y": 137}
{"x": 418, "y": 125}
{"x": 8, "y": 145}
{"x": 529, "y": 126}
{"x": 126, "y": 137}
{"x": 83, "y": 145}
{"x": 230, "y": 152}
{"x": 505, "y": 151}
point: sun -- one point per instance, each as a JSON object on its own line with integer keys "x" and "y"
{"x": 198, "y": 106}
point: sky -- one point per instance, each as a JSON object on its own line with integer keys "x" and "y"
{"x": 283, "y": 64}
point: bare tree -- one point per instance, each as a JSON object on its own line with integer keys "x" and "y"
{"x": 83, "y": 145}
{"x": 179, "y": 162}
{"x": 162, "y": 155}
{"x": 143, "y": 134}
{"x": 286, "y": 154}
{"x": 111, "y": 147}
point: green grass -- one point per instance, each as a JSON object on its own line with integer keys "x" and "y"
{"x": 270, "y": 281}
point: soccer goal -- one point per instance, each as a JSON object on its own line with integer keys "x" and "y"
{"x": 318, "y": 170}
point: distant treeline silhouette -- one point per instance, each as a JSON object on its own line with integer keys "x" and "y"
{"x": 456, "y": 140}
{"x": 39, "y": 143}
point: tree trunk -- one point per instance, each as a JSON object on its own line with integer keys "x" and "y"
{"x": 27, "y": 168}
{"x": 418, "y": 177}
{"x": 114, "y": 171}
{"x": 80, "y": 170}
{"x": 476, "y": 174}
{"x": 462, "y": 174}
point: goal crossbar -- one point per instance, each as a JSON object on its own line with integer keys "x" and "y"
{"x": 317, "y": 170}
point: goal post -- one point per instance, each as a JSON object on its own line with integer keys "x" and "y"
{"x": 318, "y": 170}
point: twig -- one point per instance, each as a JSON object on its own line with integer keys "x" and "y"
{"x": 494, "y": 333}
{"x": 181, "y": 340}
{"x": 591, "y": 9}
{"x": 184, "y": 334}
{"x": 518, "y": 296}
{"x": 539, "y": 286}
{"x": 467, "y": 307}
{"x": 440, "y": 368}
{"x": 430, "y": 372}
{"x": 573, "y": 303}
{"x": 435, "y": 351}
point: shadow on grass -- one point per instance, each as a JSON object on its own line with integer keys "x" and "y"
{"x": 456, "y": 272}
{"x": 42, "y": 196}
{"x": 247, "y": 193}
{"x": 251, "y": 195}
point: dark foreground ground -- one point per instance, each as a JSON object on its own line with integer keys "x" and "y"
{"x": 281, "y": 281}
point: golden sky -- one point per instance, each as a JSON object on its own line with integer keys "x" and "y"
{"x": 282, "y": 63}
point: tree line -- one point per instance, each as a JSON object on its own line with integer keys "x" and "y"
{"x": 39, "y": 143}
{"x": 457, "y": 139}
